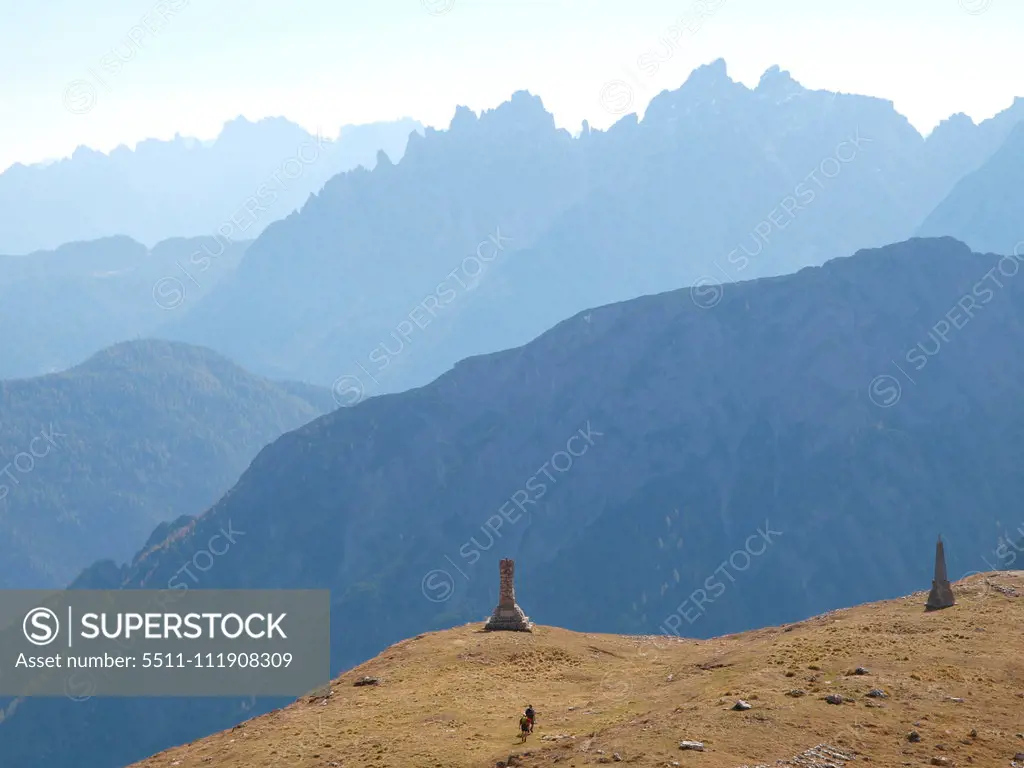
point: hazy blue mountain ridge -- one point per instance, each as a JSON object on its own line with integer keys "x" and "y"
{"x": 771, "y": 436}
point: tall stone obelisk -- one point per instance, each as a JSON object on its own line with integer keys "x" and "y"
{"x": 508, "y": 616}
{"x": 941, "y": 595}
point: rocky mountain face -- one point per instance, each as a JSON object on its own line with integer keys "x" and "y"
{"x": 487, "y": 234}
{"x": 135, "y": 437}
{"x": 360, "y": 256}
{"x": 664, "y": 465}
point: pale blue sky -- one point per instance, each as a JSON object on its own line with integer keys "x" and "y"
{"x": 330, "y": 62}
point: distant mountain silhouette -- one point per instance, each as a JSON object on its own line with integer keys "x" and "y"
{"x": 183, "y": 187}
{"x": 985, "y": 208}
{"x": 137, "y": 435}
{"x": 370, "y": 283}
{"x": 973, "y": 144}
{"x": 733, "y": 459}
{"x": 74, "y": 301}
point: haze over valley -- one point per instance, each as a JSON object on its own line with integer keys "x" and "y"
{"x": 693, "y": 359}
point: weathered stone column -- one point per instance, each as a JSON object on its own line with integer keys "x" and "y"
{"x": 508, "y": 616}
{"x": 941, "y": 595}
{"x": 507, "y": 587}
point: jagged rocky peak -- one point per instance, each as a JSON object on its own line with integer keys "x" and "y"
{"x": 464, "y": 117}
{"x": 960, "y": 118}
{"x": 240, "y": 125}
{"x": 83, "y": 152}
{"x": 713, "y": 75}
{"x": 245, "y": 134}
{"x": 1013, "y": 113}
{"x": 523, "y": 111}
{"x": 960, "y": 121}
{"x": 707, "y": 84}
{"x": 953, "y": 128}
{"x": 778, "y": 83}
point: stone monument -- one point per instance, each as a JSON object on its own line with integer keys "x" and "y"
{"x": 941, "y": 595}
{"x": 508, "y": 616}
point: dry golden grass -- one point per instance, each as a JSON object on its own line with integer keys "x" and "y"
{"x": 452, "y": 698}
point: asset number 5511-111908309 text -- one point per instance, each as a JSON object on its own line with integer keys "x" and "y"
{"x": 216, "y": 660}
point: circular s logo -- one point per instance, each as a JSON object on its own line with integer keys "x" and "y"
{"x": 437, "y": 586}
{"x": 168, "y": 292}
{"x": 615, "y": 685}
{"x": 41, "y": 626}
{"x": 80, "y": 686}
{"x": 348, "y": 391}
{"x": 884, "y": 391}
{"x": 706, "y": 293}
{"x": 617, "y": 97}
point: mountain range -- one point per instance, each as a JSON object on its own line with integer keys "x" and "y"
{"x": 184, "y": 187}
{"x": 484, "y": 235}
{"x": 97, "y": 457}
{"x": 83, "y": 297}
{"x": 386, "y": 278}
{"x": 642, "y": 361}
{"x": 983, "y": 210}
{"x": 654, "y": 466}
